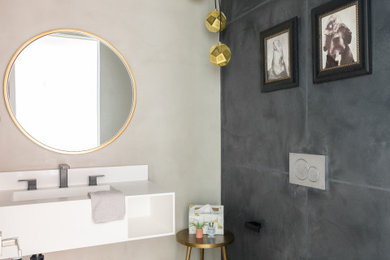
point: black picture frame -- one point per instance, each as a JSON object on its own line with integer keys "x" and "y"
{"x": 325, "y": 67}
{"x": 275, "y": 81}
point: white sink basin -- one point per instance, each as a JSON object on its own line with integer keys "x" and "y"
{"x": 57, "y": 192}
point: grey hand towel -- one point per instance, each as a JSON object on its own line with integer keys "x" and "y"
{"x": 107, "y": 205}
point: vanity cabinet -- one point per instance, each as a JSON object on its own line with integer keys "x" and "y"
{"x": 44, "y": 226}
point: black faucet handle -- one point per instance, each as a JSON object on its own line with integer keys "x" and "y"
{"x": 92, "y": 180}
{"x": 37, "y": 257}
{"x": 31, "y": 184}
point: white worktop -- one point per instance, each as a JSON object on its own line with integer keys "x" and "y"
{"x": 131, "y": 188}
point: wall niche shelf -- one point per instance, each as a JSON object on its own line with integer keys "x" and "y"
{"x": 50, "y": 225}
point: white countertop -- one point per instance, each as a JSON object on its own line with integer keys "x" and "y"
{"x": 133, "y": 188}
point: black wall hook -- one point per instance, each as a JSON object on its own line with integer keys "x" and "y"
{"x": 253, "y": 225}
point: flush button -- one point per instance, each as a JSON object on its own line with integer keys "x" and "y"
{"x": 301, "y": 169}
{"x": 308, "y": 170}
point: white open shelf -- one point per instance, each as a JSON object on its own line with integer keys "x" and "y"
{"x": 154, "y": 216}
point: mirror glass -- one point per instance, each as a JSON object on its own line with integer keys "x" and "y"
{"x": 70, "y": 91}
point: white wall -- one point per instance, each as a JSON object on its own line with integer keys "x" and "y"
{"x": 176, "y": 125}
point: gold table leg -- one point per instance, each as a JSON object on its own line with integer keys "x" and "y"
{"x": 188, "y": 253}
{"x": 201, "y": 254}
{"x": 224, "y": 253}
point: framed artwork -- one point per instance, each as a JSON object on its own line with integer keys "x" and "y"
{"x": 279, "y": 56}
{"x": 341, "y": 40}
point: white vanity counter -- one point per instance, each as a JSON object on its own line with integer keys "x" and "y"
{"x": 49, "y": 225}
{"x": 131, "y": 188}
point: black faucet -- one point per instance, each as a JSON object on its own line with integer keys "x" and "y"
{"x": 64, "y": 175}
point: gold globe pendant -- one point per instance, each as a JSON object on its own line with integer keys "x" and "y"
{"x": 216, "y": 21}
{"x": 220, "y": 54}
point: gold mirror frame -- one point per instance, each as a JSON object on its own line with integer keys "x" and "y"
{"x": 5, "y": 90}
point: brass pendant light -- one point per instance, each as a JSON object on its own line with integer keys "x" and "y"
{"x": 215, "y": 21}
{"x": 219, "y": 53}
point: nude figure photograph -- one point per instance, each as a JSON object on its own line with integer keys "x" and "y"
{"x": 278, "y": 57}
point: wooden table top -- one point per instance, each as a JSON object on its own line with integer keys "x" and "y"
{"x": 184, "y": 238}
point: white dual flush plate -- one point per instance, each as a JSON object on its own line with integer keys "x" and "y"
{"x": 308, "y": 170}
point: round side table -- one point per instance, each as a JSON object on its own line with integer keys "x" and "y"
{"x": 184, "y": 238}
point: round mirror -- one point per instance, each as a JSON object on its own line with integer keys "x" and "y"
{"x": 69, "y": 91}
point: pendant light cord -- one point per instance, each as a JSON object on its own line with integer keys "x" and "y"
{"x": 220, "y": 13}
{"x": 220, "y": 18}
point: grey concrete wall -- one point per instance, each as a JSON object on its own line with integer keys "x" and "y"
{"x": 347, "y": 120}
{"x": 176, "y": 124}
